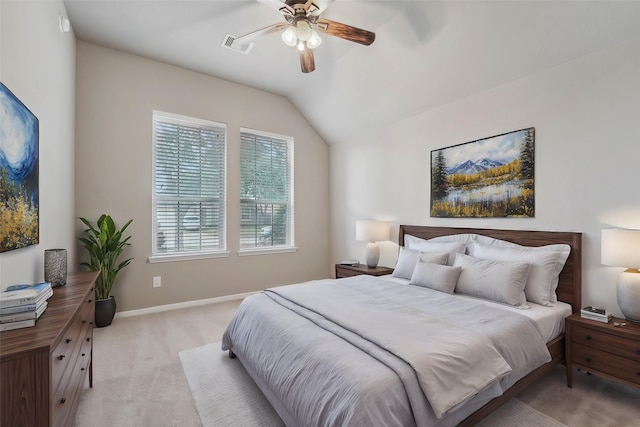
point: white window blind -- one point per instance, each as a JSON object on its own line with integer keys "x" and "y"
{"x": 189, "y": 204}
{"x": 266, "y": 190}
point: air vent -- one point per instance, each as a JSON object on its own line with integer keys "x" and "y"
{"x": 228, "y": 43}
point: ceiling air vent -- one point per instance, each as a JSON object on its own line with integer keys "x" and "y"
{"x": 228, "y": 43}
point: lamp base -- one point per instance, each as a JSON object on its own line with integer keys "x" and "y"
{"x": 372, "y": 254}
{"x": 628, "y": 293}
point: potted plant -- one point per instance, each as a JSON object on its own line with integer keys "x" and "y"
{"x": 105, "y": 244}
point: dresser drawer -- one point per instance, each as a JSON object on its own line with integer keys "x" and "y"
{"x": 607, "y": 363}
{"x": 65, "y": 353}
{"x": 66, "y": 396}
{"x": 620, "y": 346}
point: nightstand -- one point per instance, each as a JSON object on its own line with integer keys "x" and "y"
{"x": 605, "y": 350}
{"x": 348, "y": 271}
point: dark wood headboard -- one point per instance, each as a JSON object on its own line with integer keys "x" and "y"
{"x": 570, "y": 284}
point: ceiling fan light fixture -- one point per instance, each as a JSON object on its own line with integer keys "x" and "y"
{"x": 301, "y": 45}
{"x": 289, "y": 36}
{"x": 303, "y": 30}
{"x": 314, "y": 41}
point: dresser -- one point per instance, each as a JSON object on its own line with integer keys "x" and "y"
{"x": 603, "y": 349}
{"x": 43, "y": 368}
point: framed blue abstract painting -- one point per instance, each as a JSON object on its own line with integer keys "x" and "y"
{"x": 19, "y": 196}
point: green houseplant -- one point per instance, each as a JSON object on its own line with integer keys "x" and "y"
{"x": 104, "y": 243}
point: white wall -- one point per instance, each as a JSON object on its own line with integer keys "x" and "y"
{"x": 587, "y": 147}
{"x": 37, "y": 63}
{"x": 117, "y": 93}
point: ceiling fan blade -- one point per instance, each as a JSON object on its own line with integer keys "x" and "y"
{"x": 250, "y": 37}
{"x": 306, "y": 61}
{"x": 279, "y": 5}
{"x": 345, "y": 31}
{"x": 316, "y": 7}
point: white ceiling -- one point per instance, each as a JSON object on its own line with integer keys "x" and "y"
{"x": 426, "y": 53}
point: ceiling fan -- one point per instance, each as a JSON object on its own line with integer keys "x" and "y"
{"x": 300, "y": 30}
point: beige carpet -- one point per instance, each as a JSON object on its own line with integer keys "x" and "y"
{"x": 139, "y": 379}
{"x": 225, "y": 395}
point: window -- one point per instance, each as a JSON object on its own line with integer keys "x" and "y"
{"x": 266, "y": 192}
{"x": 189, "y": 208}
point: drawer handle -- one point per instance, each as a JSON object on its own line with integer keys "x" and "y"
{"x": 588, "y": 337}
{"x": 88, "y": 339}
{"x": 82, "y": 369}
{"x": 83, "y": 354}
{"x": 589, "y": 359}
{"x": 64, "y": 399}
{"x": 84, "y": 321}
{"x": 61, "y": 357}
{"x": 68, "y": 340}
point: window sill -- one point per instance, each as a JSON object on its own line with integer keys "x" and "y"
{"x": 264, "y": 251}
{"x": 187, "y": 257}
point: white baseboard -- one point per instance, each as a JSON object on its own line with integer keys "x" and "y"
{"x": 176, "y": 306}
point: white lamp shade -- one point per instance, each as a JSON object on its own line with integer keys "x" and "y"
{"x": 621, "y": 248}
{"x": 372, "y": 231}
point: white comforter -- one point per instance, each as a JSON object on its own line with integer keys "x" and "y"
{"x": 443, "y": 351}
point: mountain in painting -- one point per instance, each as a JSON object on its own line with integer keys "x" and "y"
{"x": 469, "y": 166}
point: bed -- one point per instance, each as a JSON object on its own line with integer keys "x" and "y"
{"x": 331, "y": 352}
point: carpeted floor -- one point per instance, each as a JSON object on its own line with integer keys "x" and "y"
{"x": 139, "y": 379}
{"x": 225, "y": 395}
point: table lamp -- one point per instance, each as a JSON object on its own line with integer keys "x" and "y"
{"x": 372, "y": 231}
{"x": 621, "y": 248}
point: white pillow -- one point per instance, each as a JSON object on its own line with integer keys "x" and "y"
{"x": 423, "y": 245}
{"x": 546, "y": 264}
{"x": 498, "y": 281}
{"x": 441, "y": 278}
{"x": 408, "y": 258}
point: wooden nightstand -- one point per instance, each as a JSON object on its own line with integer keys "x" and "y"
{"x": 609, "y": 351}
{"x": 348, "y": 271}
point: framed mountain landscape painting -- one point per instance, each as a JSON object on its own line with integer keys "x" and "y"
{"x": 490, "y": 177}
{"x": 19, "y": 212}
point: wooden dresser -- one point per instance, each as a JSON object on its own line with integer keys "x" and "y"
{"x": 43, "y": 368}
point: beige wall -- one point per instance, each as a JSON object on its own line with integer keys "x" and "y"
{"x": 116, "y": 94}
{"x": 587, "y": 146}
{"x": 37, "y": 63}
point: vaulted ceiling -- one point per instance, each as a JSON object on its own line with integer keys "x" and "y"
{"x": 426, "y": 53}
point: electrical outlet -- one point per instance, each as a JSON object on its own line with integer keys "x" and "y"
{"x": 157, "y": 282}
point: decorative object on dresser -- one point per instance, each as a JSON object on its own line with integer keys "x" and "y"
{"x": 43, "y": 369}
{"x": 55, "y": 267}
{"x": 610, "y": 350}
{"x": 29, "y": 302}
{"x": 621, "y": 248}
{"x": 372, "y": 232}
{"x": 105, "y": 244}
{"x": 343, "y": 270}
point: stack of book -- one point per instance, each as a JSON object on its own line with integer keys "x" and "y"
{"x": 594, "y": 313}
{"x": 22, "y": 305}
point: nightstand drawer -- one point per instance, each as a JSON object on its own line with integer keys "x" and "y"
{"x": 349, "y": 273}
{"x": 607, "y": 363}
{"x": 610, "y": 343}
